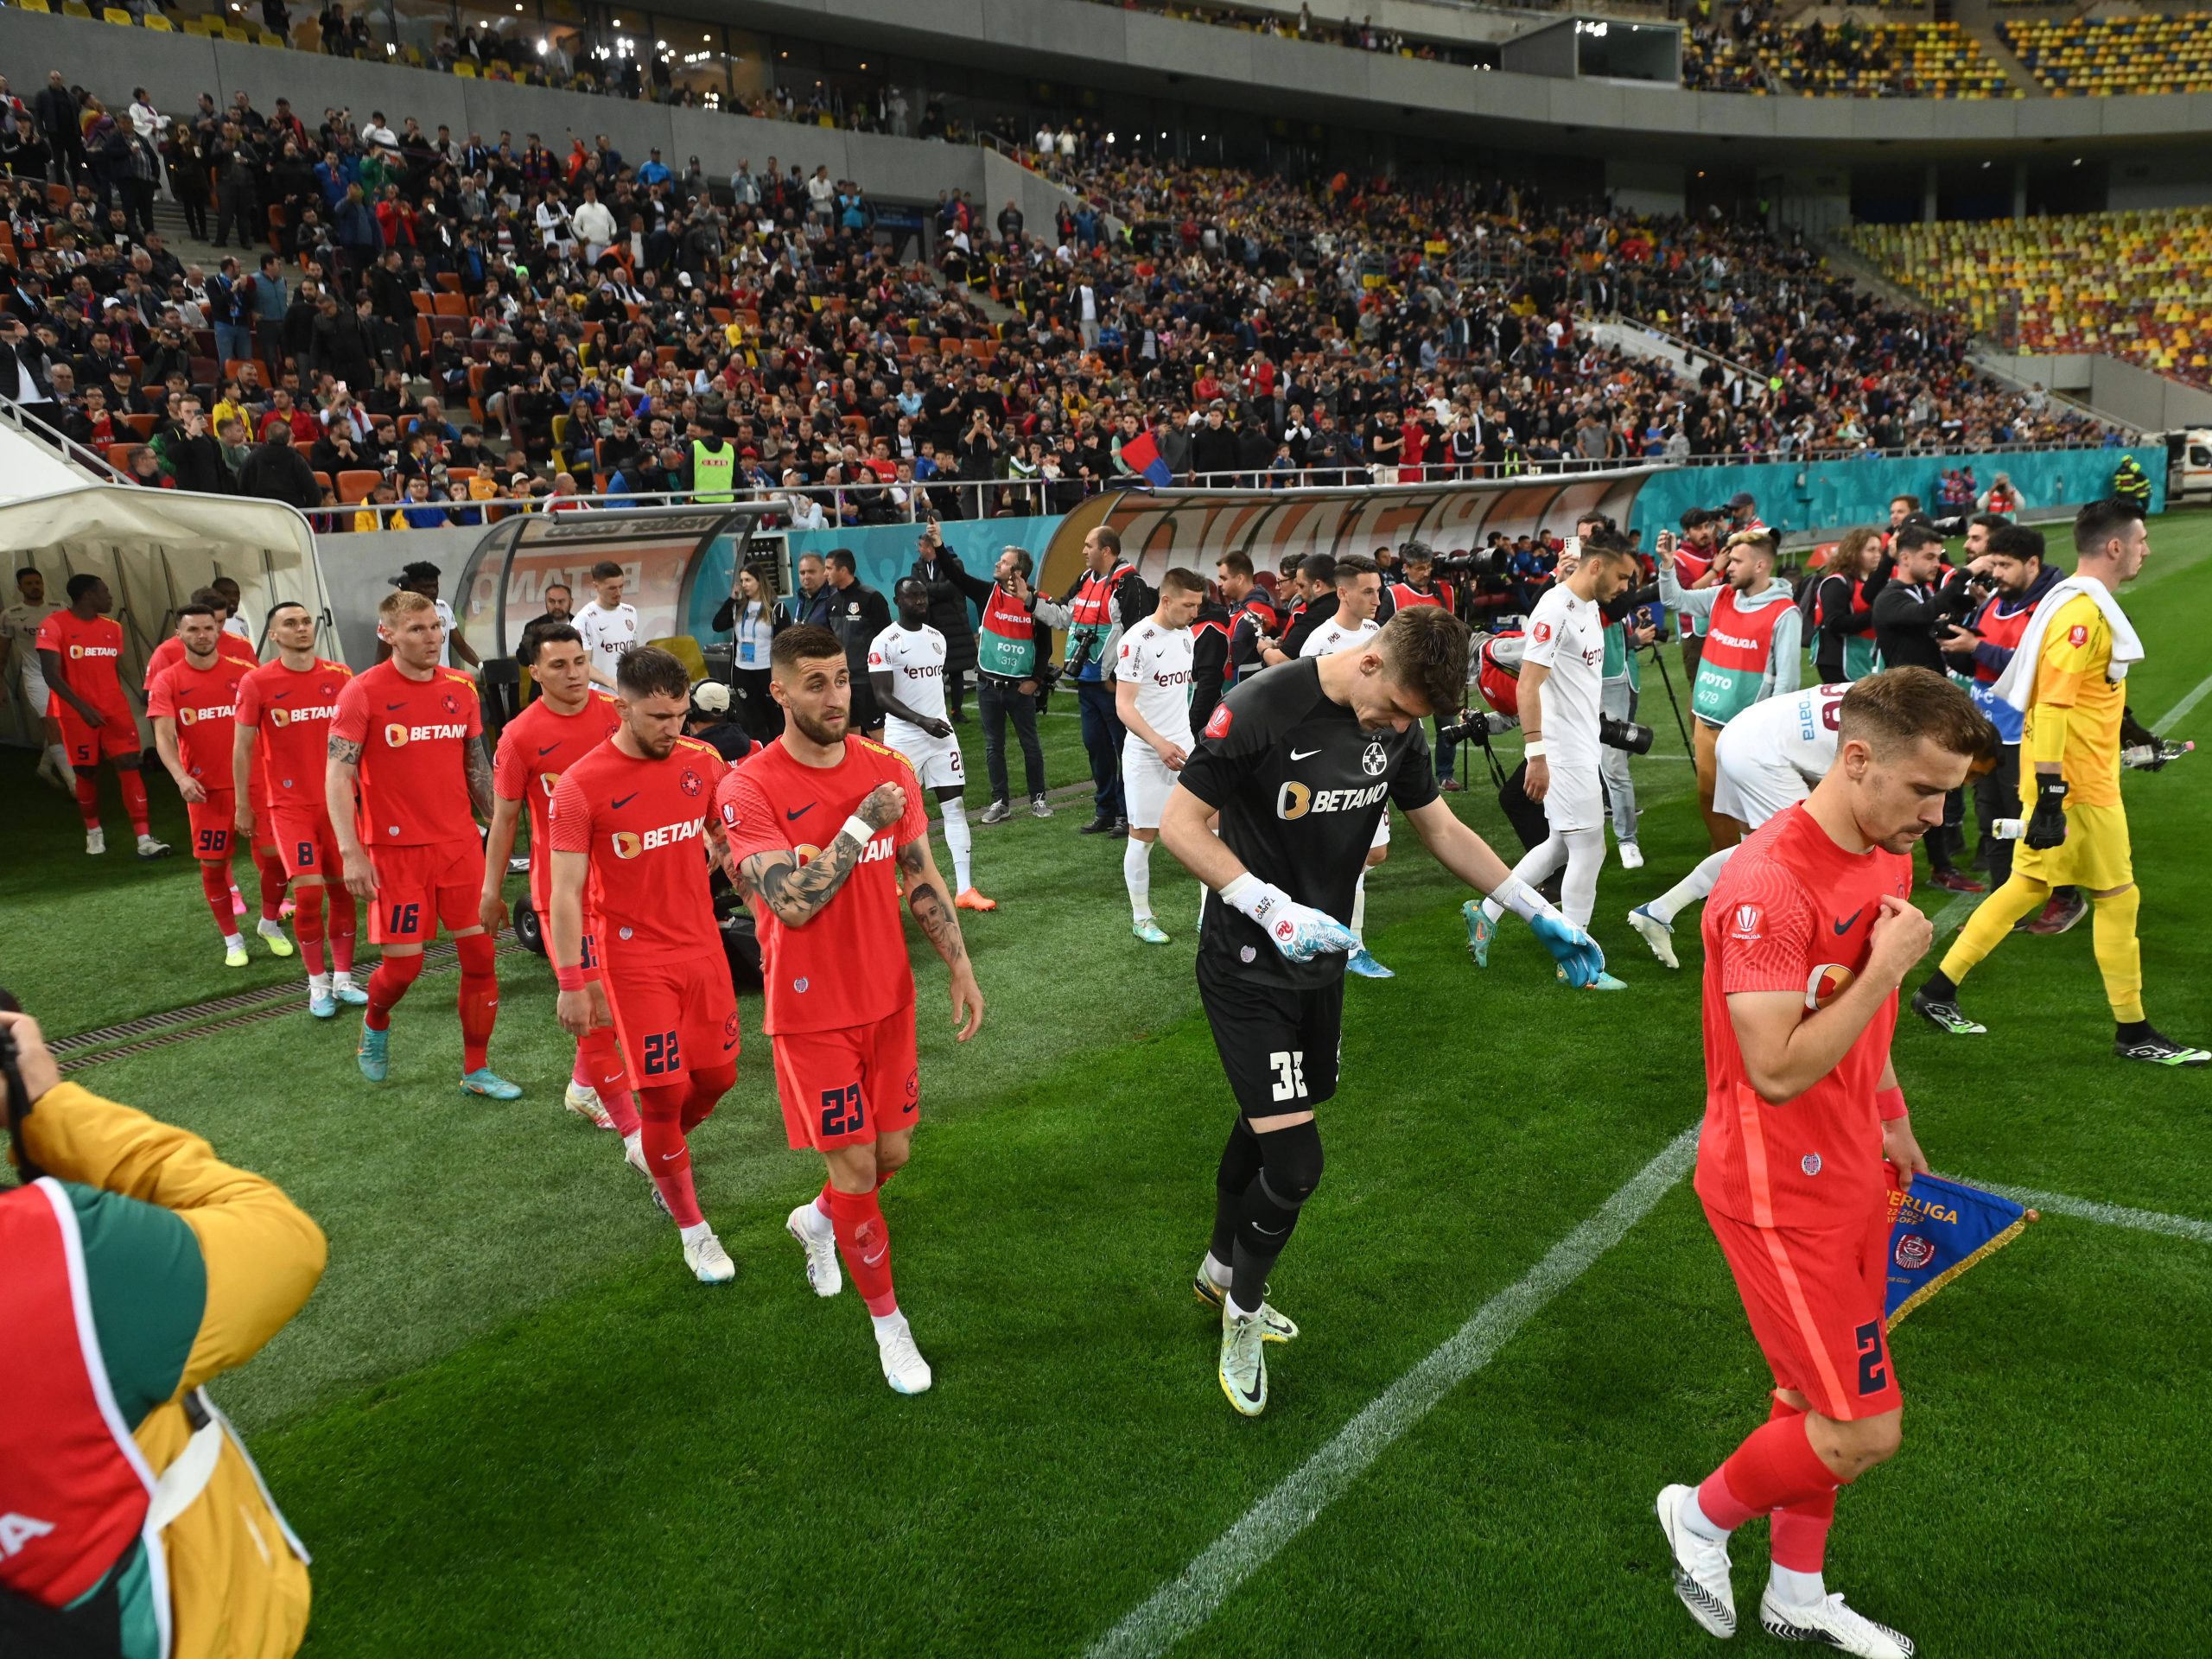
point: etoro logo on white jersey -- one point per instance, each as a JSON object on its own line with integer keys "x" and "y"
{"x": 634, "y": 844}
{"x": 397, "y": 736}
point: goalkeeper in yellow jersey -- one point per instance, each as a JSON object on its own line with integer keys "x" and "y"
{"x": 2068, "y": 679}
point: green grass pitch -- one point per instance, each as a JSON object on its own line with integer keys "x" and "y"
{"x": 510, "y": 1423}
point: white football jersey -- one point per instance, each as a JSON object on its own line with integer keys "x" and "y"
{"x": 19, "y": 624}
{"x": 1157, "y": 661}
{"x": 1797, "y": 731}
{"x": 608, "y": 634}
{"x": 445, "y": 646}
{"x": 1567, "y": 636}
{"x": 1334, "y": 636}
{"x": 914, "y": 658}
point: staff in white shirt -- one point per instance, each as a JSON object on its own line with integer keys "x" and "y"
{"x": 608, "y": 626}
{"x": 1152, "y": 698}
{"x": 1562, "y": 677}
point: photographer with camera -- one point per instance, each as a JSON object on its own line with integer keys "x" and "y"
{"x": 1913, "y": 614}
{"x": 139, "y": 1267}
{"x": 1108, "y": 597}
{"x": 1752, "y": 650}
{"x": 1562, "y": 698}
{"x": 2009, "y": 581}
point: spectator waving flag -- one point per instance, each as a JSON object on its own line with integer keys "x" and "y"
{"x": 1937, "y": 1231}
{"x": 1141, "y": 457}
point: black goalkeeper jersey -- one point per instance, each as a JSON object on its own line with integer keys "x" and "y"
{"x": 1300, "y": 788}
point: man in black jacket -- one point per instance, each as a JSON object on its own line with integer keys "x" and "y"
{"x": 278, "y": 471}
{"x": 857, "y": 614}
{"x": 1910, "y": 614}
{"x": 55, "y": 105}
{"x": 813, "y": 603}
{"x": 937, "y": 567}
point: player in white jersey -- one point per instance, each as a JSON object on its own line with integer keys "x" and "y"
{"x": 1359, "y": 595}
{"x": 608, "y": 626}
{"x": 1767, "y": 760}
{"x": 1565, "y": 649}
{"x": 1152, "y": 697}
{"x": 19, "y": 627}
{"x": 905, "y": 670}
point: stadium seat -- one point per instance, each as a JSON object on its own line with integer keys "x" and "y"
{"x": 117, "y": 16}
{"x": 33, "y": 5}
{"x": 158, "y": 23}
{"x": 685, "y": 649}
{"x": 357, "y": 486}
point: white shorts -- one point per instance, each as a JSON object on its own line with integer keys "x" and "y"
{"x": 1575, "y": 801}
{"x": 1145, "y": 783}
{"x": 936, "y": 759}
{"x": 1755, "y": 791}
{"x": 1381, "y": 830}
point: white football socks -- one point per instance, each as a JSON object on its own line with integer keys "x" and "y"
{"x": 887, "y": 1326}
{"x": 1795, "y": 1589}
{"x": 1693, "y": 1518}
{"x": 956, "y": 837}
{"x": 692, "y": 1235}
{"x": 318, "y": 985}
{"x": 1136, "y": 876}
{"x": 1359, "y": 907}
{"x": 1691, "y": 889}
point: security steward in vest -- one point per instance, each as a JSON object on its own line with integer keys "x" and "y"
{"x": 714, "y": 467}
{"x": 1012, "y": 663}
{"x": 139, "y": 1267}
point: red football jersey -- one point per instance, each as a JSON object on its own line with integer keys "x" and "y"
{"x": 642, "y": 825}
{"x": 91, "y": 660}
{"x": 1793, "y": 912}
{"x": 536, "y": 747}
{"x": 846, "y": 967}
{"x": 230, "y": 646}
{"x": 291, "y": 713}
{"x": 414, "y": 735}
{"x": 204, "y": 702}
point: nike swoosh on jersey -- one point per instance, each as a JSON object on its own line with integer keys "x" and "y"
{"x": 1845, "y": 926}
{"x": 625, "y": 801}
{"x": 393, "y": 708}
{"x": 798, "y": 813}
{"x": 1304, "y": 754}
{"x": 547, "y": 750}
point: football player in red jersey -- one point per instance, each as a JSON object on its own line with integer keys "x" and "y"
{"x": 194, "y": 704}
{"x": 1809, "y": 931}
{"x": 268, "y": 863}
{"x": 285, "y": 711}
{"x": 627, "y": 823}
{"x": 80, "y": 651}
{"x": 840, "y": 991}
{"x": 407, "y": 747}
{"x": 569, "y": 719}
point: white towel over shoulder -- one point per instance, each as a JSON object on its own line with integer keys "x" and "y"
{"x": 2017, "y": 684}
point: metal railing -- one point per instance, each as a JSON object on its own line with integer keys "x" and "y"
{"x": 20, "y": 417}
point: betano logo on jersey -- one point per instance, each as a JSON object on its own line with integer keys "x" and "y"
{"x": 317, "y": 711}
{"x": 213, "y": 711}
{"x": 111, "y": 651}
{"x": 396, "y": 736}
{"x": 1295, "y": 800}
{"x": 635, "y": 843}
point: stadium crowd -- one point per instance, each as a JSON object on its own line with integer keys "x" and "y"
{"x": 418, "y": 327}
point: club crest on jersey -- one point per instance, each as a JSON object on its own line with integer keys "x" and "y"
{"x": 1810, "y": 1163}
{"x": 1374, "y": 762}
{"x": 688, "y": 783}
{"x": 1826, "y": 983}
{"x": 1913, "y": 1252}
{"x": 1746, "y": 922}
{"x": 452, "y": 708}
{"x": 1217, "y": 723}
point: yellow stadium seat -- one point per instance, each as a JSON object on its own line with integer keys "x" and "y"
{"x": 117, "y": 16}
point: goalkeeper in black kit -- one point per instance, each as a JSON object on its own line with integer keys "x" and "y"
{"x": 1301, "y": 762}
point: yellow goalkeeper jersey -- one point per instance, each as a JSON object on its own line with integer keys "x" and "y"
{"x": 2073, "y": 682}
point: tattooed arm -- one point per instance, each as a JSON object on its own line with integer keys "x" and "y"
{"x": 478, "y": 760}
{"x": 796, "y": 893}
{"x": 925, "y": 897}
{"x": 337, "y": 774}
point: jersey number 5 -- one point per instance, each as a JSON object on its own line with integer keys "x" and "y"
{"x": 1290, "y": 1073}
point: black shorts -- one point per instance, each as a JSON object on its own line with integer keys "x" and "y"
{"x": 1279, "y": 1046}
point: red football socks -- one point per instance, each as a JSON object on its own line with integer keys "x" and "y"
{"x": 599, "y": 1067}
{"x": 270, "y": 868}
{"x": 134, "y": 800}
{"x": 864, "y": 1240}
{"x": 666, "y": 1155}
{"x": 88, "y": 801}
{"x": 344, "y": 916}
{"x": 307, "y": 922}
{"x": 1800, "y": 1542}
{"x": 1775, "y": 1467}
{"x": 215, "y": 882}
{"x": 387, "y": 985}
{"x": 479, "y": 998}
{"x": 707, "y": 1087}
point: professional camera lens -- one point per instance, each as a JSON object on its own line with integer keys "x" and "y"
{"x": 1624, "y": 734}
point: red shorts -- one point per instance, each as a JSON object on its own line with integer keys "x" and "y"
{"x": 213, "y": 821}
{"x": 87, "y": 745}
{"x": 843, "y": 1088}
{"x": 1815, "y": 1295}
{"x": 672, "y": 1016}
{"x": 304, "y": 840}
{"x": 418, "y": 887}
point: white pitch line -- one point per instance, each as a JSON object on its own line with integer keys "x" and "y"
{"x": 2180, "y": 710}
{"x": 2110, "y": 1215}
{"x": 1178, "y": 1608}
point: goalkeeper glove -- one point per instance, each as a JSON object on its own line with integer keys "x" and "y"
{"x": 1299, "y": 931}
{"x": 1574, "y": 951}
{"x": 2047, "y": 824}
{"x": 2133, "y": 733}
